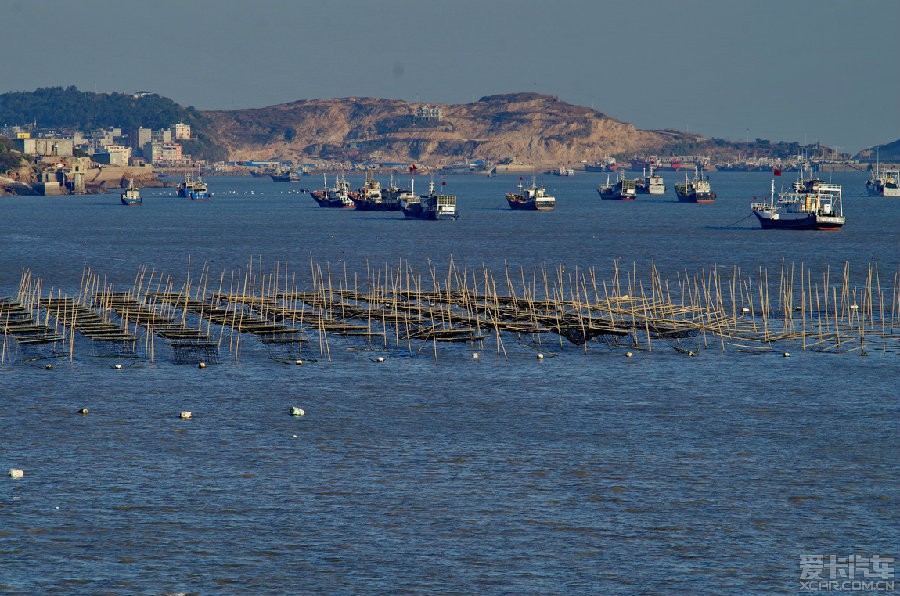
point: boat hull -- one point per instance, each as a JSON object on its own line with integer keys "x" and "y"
{"x": 377, "y": 206}
{"x": 416, "y": 212}
{"x": 518, "y": 205}
{"x": 616, "y": 196}
{"x": 696, "y": 197}
{"x": 807, "y": 222}
{"x": 333, "y": 204}
{"x": 131, "y": 202}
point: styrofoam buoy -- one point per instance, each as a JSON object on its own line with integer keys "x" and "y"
{"x": 185, "y": 415}
{"x": 83, "y": 411}
{"x": 854, "y": 306}
{"x": 379, "y": 359}
{"x": 48, "y": 367}
{"x": 628, "y": 354}
{"x": 540, "y": 356}
{"x": 16, "y": 473}
{"x": 691, "y": 353}
{"x": 201, "y": 365}
{"x": 786, "y": 355}
{"x": 475, "y": 356}
{"x": 299, "y": 362}
{"x": 745, "y": 310}
{"x": 118, "y": 367}
{"x": 295, "y": 411}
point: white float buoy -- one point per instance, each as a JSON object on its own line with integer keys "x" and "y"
{"x": 475, "y": 356}
{"x": 48, "y": 367}
{"x": 691, "y": 353}
{"x": 540, "y": 356}
{"x": 745, "y": 310}
{"x": 185, "y": 415}
{"x": 299, "y": 362}
{"x": 854, "y": 306}
{"x": 379, "y": 359}
{"x": 201, "y": 365}
{"x": 628, "y": 354}
{"x": 83, "y": 411}
{"x": 786, "y": 355}
{"x": 295, "y": 411}
{"x": 16, "y": 473}
{"x": 118, "y": 367}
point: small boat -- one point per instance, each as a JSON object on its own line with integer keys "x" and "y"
{"x": 815, "y": 210}
{"x": 697, "y": 190}
{"x": 371, "y": 197}
{"x": 289, "y": 176}
{"x": 652, "y": 184}
{"x": 562, "y": 171}
{"x": 131, "y": 195}
{"x": 621, "y": 190}
{"x": 532, "y": 198}
{"x": 339, "y": 196}
{"x": 431, "y": 206}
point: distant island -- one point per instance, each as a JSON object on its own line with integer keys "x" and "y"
{"x": 514, "y": 131}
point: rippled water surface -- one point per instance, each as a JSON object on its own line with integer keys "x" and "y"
{"x": 584, "y": 472}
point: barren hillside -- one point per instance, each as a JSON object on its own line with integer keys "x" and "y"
{"x": 526, "y": 127}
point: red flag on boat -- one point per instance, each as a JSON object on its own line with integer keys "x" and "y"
{"x": 776, "y": 171}
{"x": 412, "y": 168}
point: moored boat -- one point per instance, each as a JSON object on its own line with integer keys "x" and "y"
{"x": 288, "y": 176}
{"x": 371, "y": 197}
{"x": 620, "y": 190}
{"x": 531, "y": 198}
{"x": 193, "y": 188}
{"x": 652, "y": 184}
{"x": 131, "y": 196}
{"x": 697, "y": 190}
{"x": 883, "y": 183}
{"x": 339, "y": 196}
{"x": 816, "y": 210}
{"x": 432, "y": 206}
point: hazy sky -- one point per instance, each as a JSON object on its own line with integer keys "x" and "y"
{"x": 796, "y": 70}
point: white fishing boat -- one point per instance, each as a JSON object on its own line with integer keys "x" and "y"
{"x": 820, "y": 209}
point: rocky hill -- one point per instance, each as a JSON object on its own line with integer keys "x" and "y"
{"x": 524, "y": 127}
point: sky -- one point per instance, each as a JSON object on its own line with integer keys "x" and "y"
{"x": 810, "y": 71}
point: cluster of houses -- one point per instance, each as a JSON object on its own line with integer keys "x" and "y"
{"x": 110, "y": 146}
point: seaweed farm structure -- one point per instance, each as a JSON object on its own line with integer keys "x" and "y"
{"x": 399, "y": 309}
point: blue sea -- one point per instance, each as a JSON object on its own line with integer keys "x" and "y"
{"x": 430, "y": 471}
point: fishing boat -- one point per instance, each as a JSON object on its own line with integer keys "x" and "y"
{"x": 697, "y": 190}
{"x": 431, "y": 206}
{"x": 531, "y": 198}
{"x": 371, "y": 197}
{"x": 620, "y": 190}
{"x": 288, "y": 176}
{"x": 562, "y": 171}
{"x": 131, "y": 196}
{"x": 652, "y": 184}
{"x": 883, "y": 183}
{"x": 339, "y": 196}
{"x": 186, "y": 185}
{"x": 193, "y": 188}
{"x": 816, "y": 210}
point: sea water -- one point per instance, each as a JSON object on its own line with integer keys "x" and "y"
{"x": 582, "y": 472}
